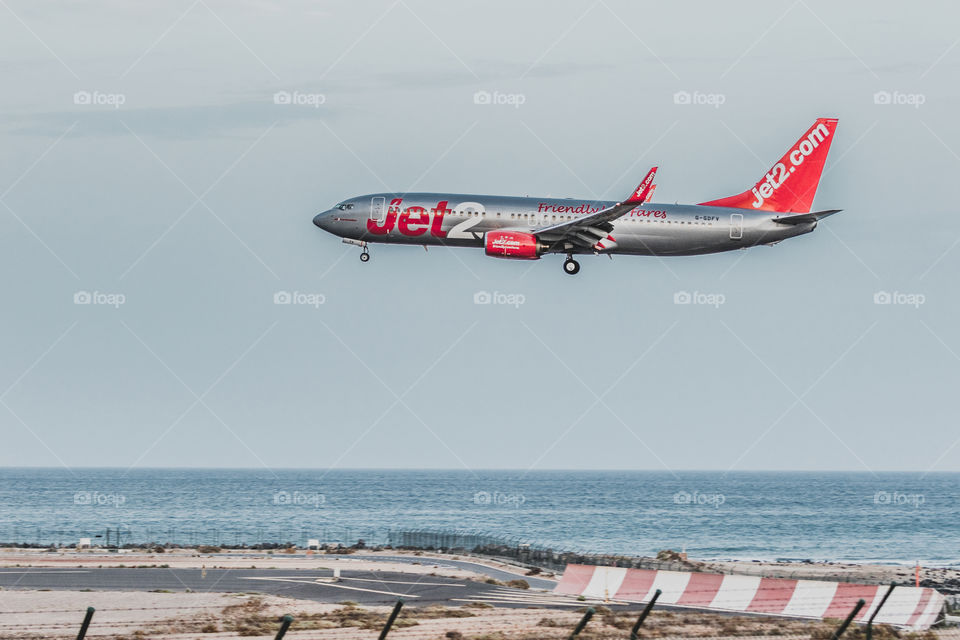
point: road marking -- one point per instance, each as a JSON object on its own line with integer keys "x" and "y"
{"x": 510, "y": 596}
{"x": 426, "y": 584}
{"x": 459, "y": 565}
{"x": 39, "y": 572}
{"x": 336, "y": 586}
{"x": 514, "y": 596}
{"x": 527, "y": 602}
{"x": 524, "y": 600}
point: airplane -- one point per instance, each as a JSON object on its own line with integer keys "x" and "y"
{"x": 777, "y": 207}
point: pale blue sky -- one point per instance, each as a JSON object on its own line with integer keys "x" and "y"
{"x": 194, "y": 201}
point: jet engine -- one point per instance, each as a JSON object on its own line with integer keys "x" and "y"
{"x": 512, "y": 244}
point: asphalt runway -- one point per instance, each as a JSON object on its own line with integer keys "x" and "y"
{"x": 362, "y": 587}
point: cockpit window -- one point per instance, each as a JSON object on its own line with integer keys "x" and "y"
{"x": 346, "y": 206}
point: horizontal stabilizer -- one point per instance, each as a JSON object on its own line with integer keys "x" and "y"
{"x": 804, "y": 218}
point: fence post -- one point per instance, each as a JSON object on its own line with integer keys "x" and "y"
{"x": 634, "y": 633}
{"x": 284, "y": 625}
{"x": 583, "y": 623}
{"x": 877, "y": 610}
{"x": 86, "y": 623}
{"x": 846, "y": 623}
{"x": 391, "y": 619}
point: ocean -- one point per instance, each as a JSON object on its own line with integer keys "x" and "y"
{"x": 839, "y": 516}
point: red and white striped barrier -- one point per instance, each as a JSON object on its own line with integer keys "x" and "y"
{"x": 908, "y": 607}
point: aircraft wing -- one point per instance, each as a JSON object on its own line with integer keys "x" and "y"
{"x": 587, "y": 231}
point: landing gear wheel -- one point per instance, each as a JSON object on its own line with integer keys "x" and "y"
{"x": 571, "y": 266}
{"x": 365, "y": 256}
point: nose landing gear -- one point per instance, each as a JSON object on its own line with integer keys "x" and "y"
{"x": 571, "y": 266}
{"x": 365, "y": 256}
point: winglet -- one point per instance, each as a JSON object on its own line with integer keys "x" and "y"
{"x": 642, "y": 193}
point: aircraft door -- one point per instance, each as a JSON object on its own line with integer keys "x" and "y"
{"x": 378, "y": 209}
{"x": 736, "y": 226}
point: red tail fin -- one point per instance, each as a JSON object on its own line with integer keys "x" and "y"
{"x": 790, "y": 185}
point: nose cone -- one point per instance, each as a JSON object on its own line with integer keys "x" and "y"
{"x": 322, "y": 220}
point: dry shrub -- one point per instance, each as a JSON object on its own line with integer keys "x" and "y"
{"x": 550, "y": 622}
{"x": 434, "y": 612}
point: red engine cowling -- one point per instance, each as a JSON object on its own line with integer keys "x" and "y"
{"x": 512, "y": 244}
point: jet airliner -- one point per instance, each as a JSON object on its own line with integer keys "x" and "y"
{"x": 777, "y": 207}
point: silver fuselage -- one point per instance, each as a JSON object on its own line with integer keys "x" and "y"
{"x": 454, "y": 219}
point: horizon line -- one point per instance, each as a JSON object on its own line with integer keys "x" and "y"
{"x": 461, "y": 470}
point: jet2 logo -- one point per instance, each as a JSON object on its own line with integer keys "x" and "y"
{"x": 779, "y": 173}
{"x": 416, "y": 221}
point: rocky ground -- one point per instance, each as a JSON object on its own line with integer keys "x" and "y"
{"x": 181, "y": 616}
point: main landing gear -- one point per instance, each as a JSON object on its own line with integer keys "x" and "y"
{"x": 365, "y": 256}
{"x": 571, "y": 266}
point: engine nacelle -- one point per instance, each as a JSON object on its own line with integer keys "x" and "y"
{"x": 512, "y": 244}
